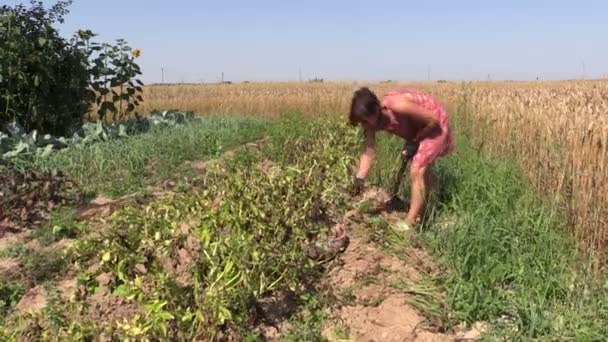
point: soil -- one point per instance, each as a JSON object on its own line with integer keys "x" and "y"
{"x": 68, "y": 287}
{"x": 378, "y": 311}
{"x": 28, "y": 197}
{"x": 102, "y": 306}
{"x": 272, "y": 313}
{"x": 183, "y": 267}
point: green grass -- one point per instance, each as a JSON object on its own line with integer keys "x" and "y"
{"x": 509, "y": 254}
{"x": 127, "y": 165}
{"x": 15, "y": 250}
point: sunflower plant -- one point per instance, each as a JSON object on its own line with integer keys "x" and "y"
{"x": 113, "y": 72}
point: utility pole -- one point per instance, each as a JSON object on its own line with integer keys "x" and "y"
{"x": 222, "y": 77}
{"x": 162, "y": 75}
{"x": 300, "y": 74}
{"x": 584, "y": 71}
{"x": 428, "y": 72}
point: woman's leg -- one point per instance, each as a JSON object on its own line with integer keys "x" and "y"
{"x": 419, "y": 180}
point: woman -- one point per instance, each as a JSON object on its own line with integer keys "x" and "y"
{"x": 417, "y": 118}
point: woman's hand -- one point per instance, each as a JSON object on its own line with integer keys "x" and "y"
{"x": 368, "y": 155}
{"x": 410, "y": 149}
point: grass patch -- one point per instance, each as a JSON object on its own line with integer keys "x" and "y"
{"x": 127, "y": 165}
{"x": 15, "y": 250}
{"x": 45, "y": 265}
{"x": 427, "y": 297}
{"x": 508, "y": 255}
{"x": 342, "y": 332}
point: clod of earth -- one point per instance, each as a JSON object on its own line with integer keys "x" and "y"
{"x": 33, "y": 300}
{"x": 9, "y": 268}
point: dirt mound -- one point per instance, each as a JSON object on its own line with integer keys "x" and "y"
{"x": 9, "y": 238}
{"x": 103, "y": 206}
{"x": 392, "y": 320}
{"x": 68, "y": 287}
{"x": 33, "y": 300}
{"x": 377, "y": 311}
{"x": 272, "y": 312}
{"x": 109, "y": 308}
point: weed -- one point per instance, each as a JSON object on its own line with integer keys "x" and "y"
{"x": 347, "y": 296}
{"x": 307, "y": 325}
{"x": 15, "y": 250}
{"x": 341, "y": 332}
{"x": 63, "y": 223}
{"x": 10, "y": 293}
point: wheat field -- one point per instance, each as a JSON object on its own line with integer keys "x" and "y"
{"x": 556, "y": 131}
{"x": 267, "y": 99}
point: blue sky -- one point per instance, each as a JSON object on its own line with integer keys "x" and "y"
{"x": 195, "y": 41}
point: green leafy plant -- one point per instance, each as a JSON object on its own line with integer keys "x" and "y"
{"x": 10, "y": 293}
{"x": 43, "y": 78}
{"x": 47, "y": 83}
{"x": 20, "y": 144}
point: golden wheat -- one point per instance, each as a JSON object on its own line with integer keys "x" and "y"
{"x": 557, "y": 131}
{"x": 266, "y": 99}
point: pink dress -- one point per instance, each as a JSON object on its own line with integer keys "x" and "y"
{"x": 432, "y": 147}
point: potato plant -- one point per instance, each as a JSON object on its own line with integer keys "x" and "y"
{"x": 197, "y": 264}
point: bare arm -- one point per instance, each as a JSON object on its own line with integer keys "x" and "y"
{"x": 368, "y": 154}
{"x": 417, "y": 114}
